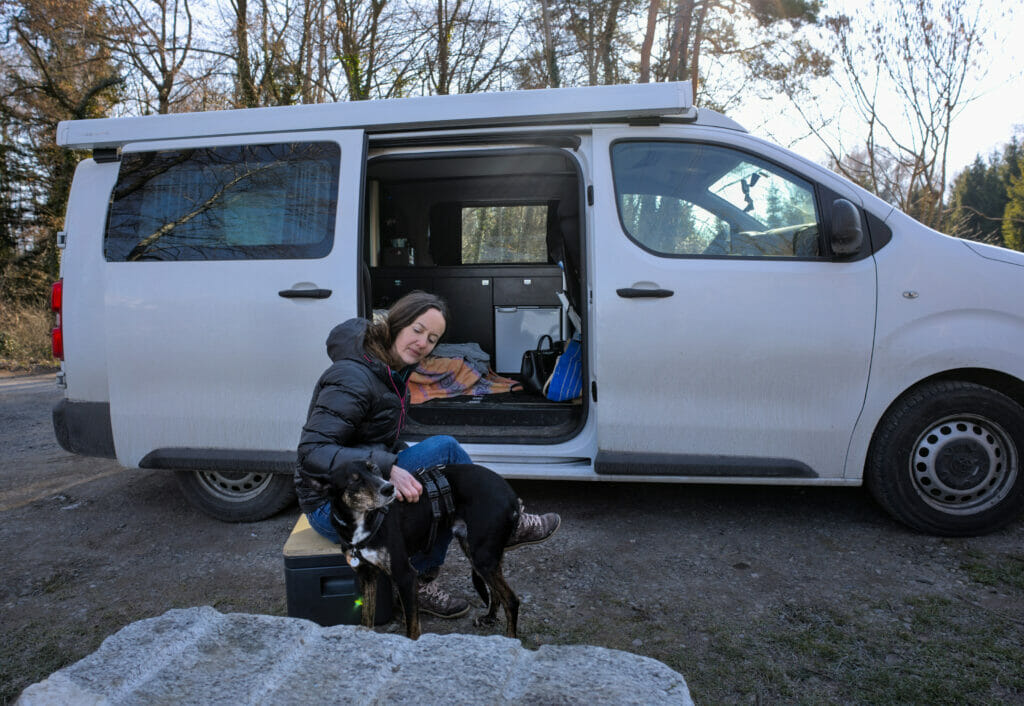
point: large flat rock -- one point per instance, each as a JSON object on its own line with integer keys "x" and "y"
{"x": 201, "y": 656}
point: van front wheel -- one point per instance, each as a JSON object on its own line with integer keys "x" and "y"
{"x": 946, "y": 459}
{"x": 244, "y": 496}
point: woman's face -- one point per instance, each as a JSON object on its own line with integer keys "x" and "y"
{"x": 415, "y": 342}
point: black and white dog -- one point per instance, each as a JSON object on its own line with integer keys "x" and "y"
{"x": 380, "y": 535}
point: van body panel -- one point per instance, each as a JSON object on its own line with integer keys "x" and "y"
{"x": 942, "y": 307}
{"x": 209, "y": 354}
{"x": 85, "y": 365}
{"x": 758, "y": 358}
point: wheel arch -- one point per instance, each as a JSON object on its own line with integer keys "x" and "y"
{"x": 1009, "y": 385}
{"x": 945, "y": 456}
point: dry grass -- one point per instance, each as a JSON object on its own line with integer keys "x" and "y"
{"x": 25, "y": 337}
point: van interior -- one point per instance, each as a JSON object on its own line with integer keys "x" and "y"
{"x": 497, "y": 234}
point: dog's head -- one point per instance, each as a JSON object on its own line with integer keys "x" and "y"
{"x": 357, "y": 485}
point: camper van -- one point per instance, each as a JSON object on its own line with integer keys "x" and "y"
{"x": 743, "y": 315}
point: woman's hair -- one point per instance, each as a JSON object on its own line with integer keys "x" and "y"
{"x": 382, "y": 332}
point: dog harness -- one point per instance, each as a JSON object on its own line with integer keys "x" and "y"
{"x": 438, "y": 491}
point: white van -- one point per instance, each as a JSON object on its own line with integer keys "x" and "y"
{"x": 746, "y": 315}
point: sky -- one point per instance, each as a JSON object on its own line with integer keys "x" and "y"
{"x": 986, "y": 123}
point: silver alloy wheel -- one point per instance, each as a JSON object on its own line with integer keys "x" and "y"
{"x": 234, "y": 487}
{"x": 964, "y": 464}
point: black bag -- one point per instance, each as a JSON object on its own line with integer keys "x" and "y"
{"x": 538, "y": 364}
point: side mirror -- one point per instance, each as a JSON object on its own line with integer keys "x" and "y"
{"x": 847, "y": 235}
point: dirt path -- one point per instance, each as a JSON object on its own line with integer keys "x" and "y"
{"x": 762, "y": 595}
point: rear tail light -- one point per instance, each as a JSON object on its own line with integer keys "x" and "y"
{"x": 56, "y": 305}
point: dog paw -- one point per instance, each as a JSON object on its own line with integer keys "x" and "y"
{"x": 485, "y": 621}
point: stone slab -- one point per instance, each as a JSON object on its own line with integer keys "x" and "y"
{"x": 202, "y": 656}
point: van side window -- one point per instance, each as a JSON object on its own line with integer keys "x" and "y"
{"x": 682, "y": 198}
{"x": 225, "y": 203}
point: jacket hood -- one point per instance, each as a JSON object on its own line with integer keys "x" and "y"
{"x": 345, "y": 341}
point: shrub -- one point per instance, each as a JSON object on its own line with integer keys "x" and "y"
{"x": 25, "y": 336}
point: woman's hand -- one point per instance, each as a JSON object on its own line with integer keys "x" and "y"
{"x": 406, "y": 485}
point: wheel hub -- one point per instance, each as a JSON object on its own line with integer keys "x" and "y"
{"x": 234, "y": 486}
{"x": 963, "y": 463}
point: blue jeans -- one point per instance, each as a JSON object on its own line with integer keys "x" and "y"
{"x": 433, "y": 451}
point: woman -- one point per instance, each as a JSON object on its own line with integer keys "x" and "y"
{"x": 357, "y": 412}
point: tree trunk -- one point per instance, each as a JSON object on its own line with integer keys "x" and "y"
{"x": 648, "y": 45}
{"x": 607, "y": 41}
{"x": 245, "y": 86}
{"x": 697, "y": 33}
{"x": 550, "y": 60}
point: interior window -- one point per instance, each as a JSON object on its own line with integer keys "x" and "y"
{"x": 504, "y": 234}
{"x": 681, "y": 198}
{"x": 225, "y": 203}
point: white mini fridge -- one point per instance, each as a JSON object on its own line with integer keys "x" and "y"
{"x": 517, "y": 330}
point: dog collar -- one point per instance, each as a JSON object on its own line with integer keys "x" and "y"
{"x": 352, "y": 551}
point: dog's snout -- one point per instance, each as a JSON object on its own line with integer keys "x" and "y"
{"x": 387, "y": 490}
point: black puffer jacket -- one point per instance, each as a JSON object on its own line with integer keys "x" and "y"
{"x": 357, "y": 411}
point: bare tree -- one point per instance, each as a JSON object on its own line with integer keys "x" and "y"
{"x": 269, "y": 46}
{"x": 372, "y": 40}
{"x": 156, "y": 39}
{"x": 465, "y": 47}
{"x": 596, "y": 29}
{"x": 543, "y": 46}
{"x": 905, "y": 75}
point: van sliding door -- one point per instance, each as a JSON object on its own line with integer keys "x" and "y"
{"x": 731, "y": 342}
{"x": 228, "y": 261}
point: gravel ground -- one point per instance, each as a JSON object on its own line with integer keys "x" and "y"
{"x": 756, "y": 595}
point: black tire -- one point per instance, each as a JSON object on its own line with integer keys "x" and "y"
{"x": 237, "y": 497}
{"x": 946, "y": 459}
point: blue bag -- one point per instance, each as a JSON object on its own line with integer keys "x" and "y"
{"x": 566, "y": 382}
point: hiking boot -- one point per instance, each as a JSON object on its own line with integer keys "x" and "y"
{"x": 533, "y": 529}
{"x": 436, "y": 601}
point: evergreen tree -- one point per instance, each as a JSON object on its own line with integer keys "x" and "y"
{"x": 1013, "y": 215}
{"x": 977, "y": 203}
{"x": 59, "y": 70}
{"x": 980, "y": 194}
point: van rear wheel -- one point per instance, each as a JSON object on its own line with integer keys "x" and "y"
{"x": 946, "y": 459}
{"x": 244, "y": 496}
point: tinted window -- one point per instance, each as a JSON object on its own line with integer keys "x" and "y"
{"x": 225, "y": 203}
{"x": 679, "y": 198}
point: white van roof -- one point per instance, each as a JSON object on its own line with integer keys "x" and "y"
{"x": 548, "y": 105}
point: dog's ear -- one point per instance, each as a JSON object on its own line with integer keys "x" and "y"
{"x": 373, "y": 469}
{"x": 320, "y": 483}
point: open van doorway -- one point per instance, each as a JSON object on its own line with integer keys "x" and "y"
{"x": 497, "y": 233}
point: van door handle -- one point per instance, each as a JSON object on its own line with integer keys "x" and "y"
{"x": 305, "y": 293}
{"x": 634, "y": 293}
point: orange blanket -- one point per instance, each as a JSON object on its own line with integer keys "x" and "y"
{"x": 451, "y": 377}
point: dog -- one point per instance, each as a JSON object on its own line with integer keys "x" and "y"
{"x": 380, "y": 535}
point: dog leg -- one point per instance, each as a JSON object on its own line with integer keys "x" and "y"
{"x": 368, "y": 589}
{"x": 478, "y": 581}
{"x": 502, "y": 593}
{"x": 491, "y": 601}
{"x": 406, "y": 581}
